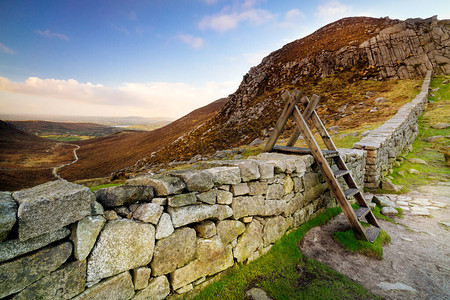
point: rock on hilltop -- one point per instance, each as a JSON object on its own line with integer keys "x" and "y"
{"x": 366, "y": 48}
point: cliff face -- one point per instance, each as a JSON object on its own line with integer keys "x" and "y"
{"x": 356, "y": 49}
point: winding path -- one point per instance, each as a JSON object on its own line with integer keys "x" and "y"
{"x": 55, "y": 169}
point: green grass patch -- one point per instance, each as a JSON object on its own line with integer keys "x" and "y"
{"x": 101, "y": 186}
{"x": 285, "y": 274}
{"x": 377, "y": 212}
{"x": 430, "y": 151}
{"x": 349, "y": 241}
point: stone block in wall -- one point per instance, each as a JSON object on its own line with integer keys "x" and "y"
{"x": 249, "y": 241}
{"x": 294, "y": 204}
{"x": 164, "y": 227}
{"x": 50, "y": 206}
{"x": 225, "y": 175}
{"x": 141, "y": 276}
{"x": 182, "y": 200}
{"x": 118, "y": 287}
{"x": 257, "y": 188}
{"x": 288, "y": 185}
{"x": 14, "y": 248}
{"x": 224, "y": 197}
{"x": 249, "y": 170}
{"x": 212, "y": 257}
{"x": 118, "y": 250}
{"x": 163, "y": 185}
{"x": 64, "y": 283}
{"x": 240, "y": 189}
{"x": 223, "y": 212}
{"x": 314, "y": 192}
{"x": 311, "y": 180}
{"x": 196, "y": 181}
{"x": 149, "y": 212}
{"x": 157, "y": 289}
{"x": 274, "y": 229}
{"x": 124, "y": 194}
{"x": 84, "y": 235}
{"x": 298, "y": 184}
{"x": 247, "y": 206}
{"x": 266, "y": 169}
{"x": 275, "y": 191}
{"x": 8, "y": 210}
{"x": 273, "y": 207}
{"x": 228, "y": 230}
{"x": 174, "y": 251}
{"x": 20, "y": 273}
{"x": 96, "y": 208}
{"x": 299, "y": 217}
{"x": 372, "y": 185}
{"x": 209, "y": 197}
{"x": 206, "y": 229}
{"x": 192, "y": 214}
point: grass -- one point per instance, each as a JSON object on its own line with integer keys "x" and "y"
{"x": 101, "y": 186}
{"x": 285, "y": 274}
{"x": 432, "y": 152}
{"x": 348, "y": 240}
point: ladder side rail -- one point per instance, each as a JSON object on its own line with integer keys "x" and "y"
{"x": 340, "y": 163}
{"x": 329, "y": 176}
{"x": 281, "y": 123}
{"x": 309, "y": 110}
{"x": 319, "y": 125}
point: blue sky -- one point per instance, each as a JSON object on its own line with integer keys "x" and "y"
{"x": 156, "y": 58}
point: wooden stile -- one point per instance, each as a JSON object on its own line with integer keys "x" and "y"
{"x": 353, "y": 216}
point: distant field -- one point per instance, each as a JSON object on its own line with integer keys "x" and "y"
{"x": 71, "y": 132}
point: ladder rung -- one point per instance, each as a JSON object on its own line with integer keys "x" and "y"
{"x": 351, "y": 192}
{"x": 362, "y": 212}
{"x": 297, "y": 150}
{"x": 372, "y": 233}
{"x": 340, "y": 173}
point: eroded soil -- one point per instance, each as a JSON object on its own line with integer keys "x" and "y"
{"x": 416, "y": 263}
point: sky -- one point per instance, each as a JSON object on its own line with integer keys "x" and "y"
{"x": 154, "y": 58}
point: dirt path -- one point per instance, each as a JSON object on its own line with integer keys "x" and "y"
{"x": 55, "y": 169}
{"x": 416, "y": 264}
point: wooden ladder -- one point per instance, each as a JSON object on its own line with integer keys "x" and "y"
{"x": 353, "y": 216}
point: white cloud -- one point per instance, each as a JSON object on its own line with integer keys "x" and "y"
{"x": 230, "y": 17}
{"x": 48, "y": 34}
{"x": 333, "y": 10}
{"x": 294, "y": 14}
{"x": 6, "y": 49}
{"x": 193, "y": 41}
{"x": 153, "y": 99}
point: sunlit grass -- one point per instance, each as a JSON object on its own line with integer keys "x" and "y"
{"x": 277, "y": 272}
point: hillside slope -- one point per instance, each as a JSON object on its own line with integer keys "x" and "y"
{"x": 26, "y": 159}
{"x": 102, "y": 156}
{"x": 61, "y": 128}
{"x": 330, "y": 62}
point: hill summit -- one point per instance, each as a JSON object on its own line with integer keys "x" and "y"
{"x": 349, "y": 50}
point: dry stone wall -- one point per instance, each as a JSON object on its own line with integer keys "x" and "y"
{"x": 157, "y": 236}
{"x": 392, "y": 139}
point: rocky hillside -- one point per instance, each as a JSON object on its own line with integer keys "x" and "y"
{"x": 349, "y": 51}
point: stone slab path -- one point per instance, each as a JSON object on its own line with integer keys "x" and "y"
{"x": 416, "y": 263}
